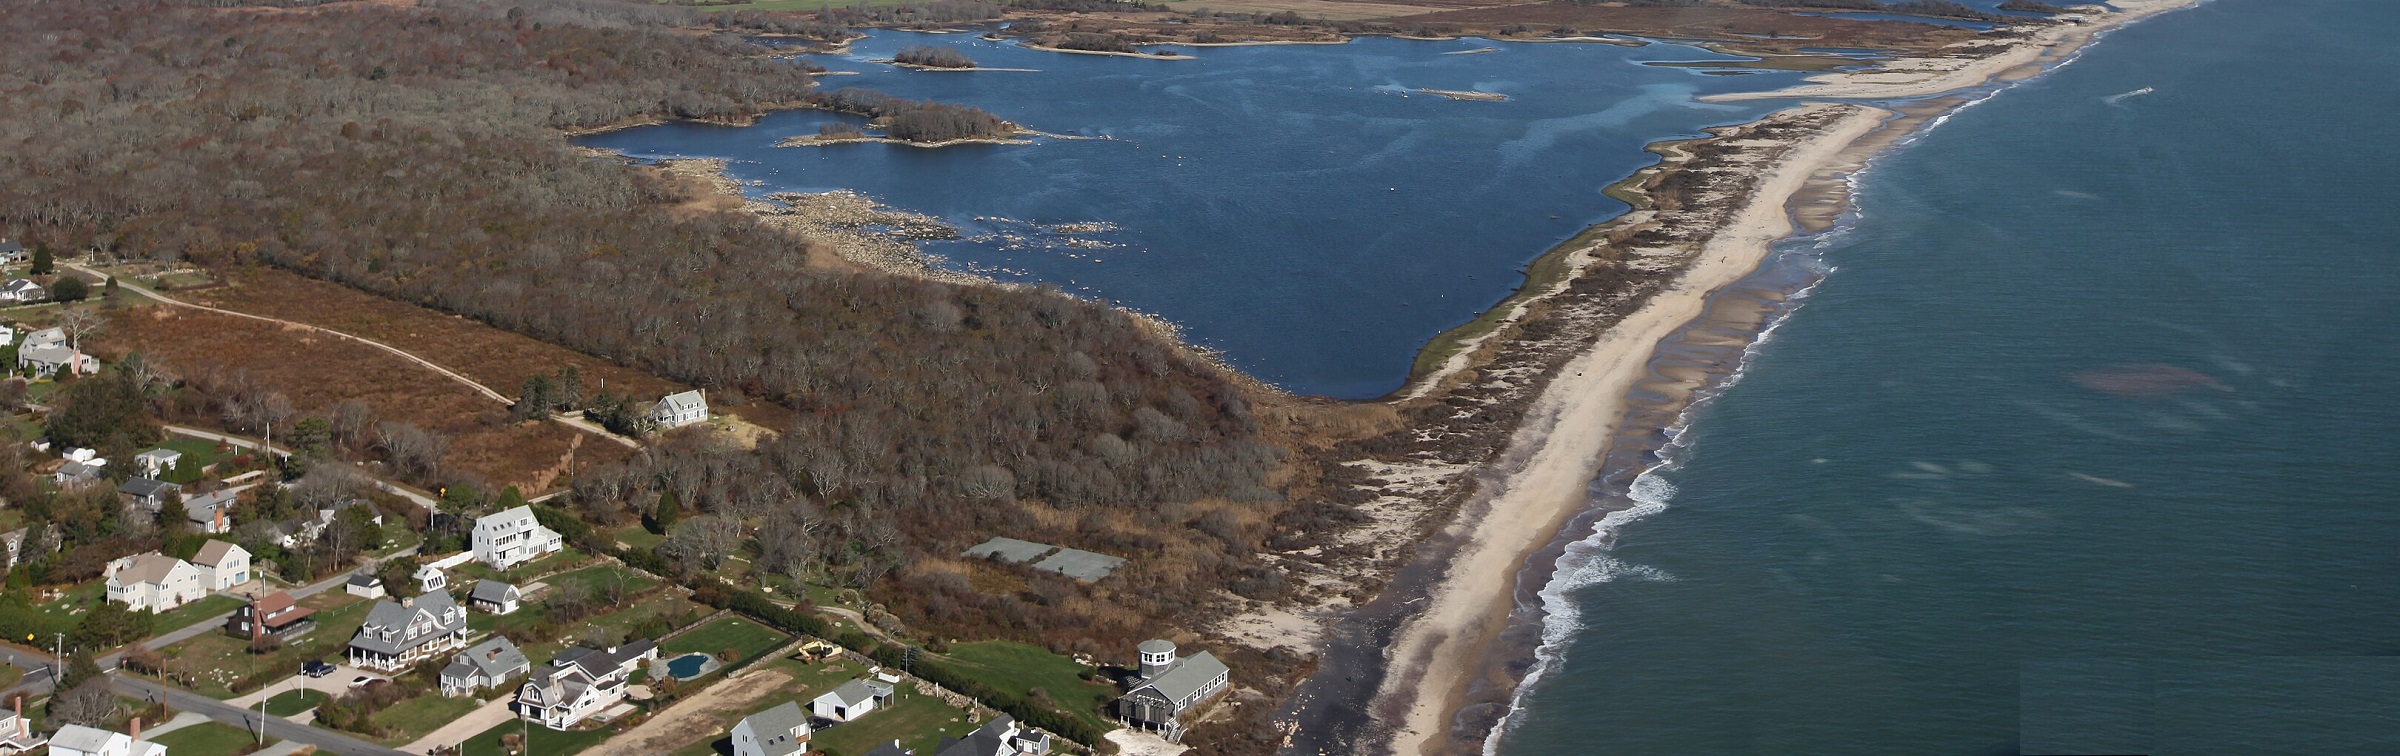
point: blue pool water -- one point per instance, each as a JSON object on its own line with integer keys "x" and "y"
{"x": 688, "y": 666}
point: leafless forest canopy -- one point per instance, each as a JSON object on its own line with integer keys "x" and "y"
{"x": 414, "y": 152}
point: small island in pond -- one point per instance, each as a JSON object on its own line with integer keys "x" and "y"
{"x": 925, "y": 56}
{"x": 920, "y": 123}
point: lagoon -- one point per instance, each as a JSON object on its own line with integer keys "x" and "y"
{"x": 1299, "y": 208}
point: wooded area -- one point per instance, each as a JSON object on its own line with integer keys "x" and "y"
{"x": 414, "y": 152}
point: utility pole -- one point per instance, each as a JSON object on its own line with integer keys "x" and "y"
{"x": 58, "y": 659}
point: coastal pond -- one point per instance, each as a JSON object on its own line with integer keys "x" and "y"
{"x": 1307, "y": 210}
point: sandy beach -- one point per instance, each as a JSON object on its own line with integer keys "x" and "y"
{"x": 1453, "y": 644}
{"x": 1560, "y": 447}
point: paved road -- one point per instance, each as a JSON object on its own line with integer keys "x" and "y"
{"x": 576, "y": 423}
{"x": 326, "y": 741}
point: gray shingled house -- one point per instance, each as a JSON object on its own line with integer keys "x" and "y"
{"x": 780, "y": 731}
{"x": 999, "y": 737}
{"x": 490, "y": 664}
{"x": 401, "y": 633}
{"x": 1167, "y": 687}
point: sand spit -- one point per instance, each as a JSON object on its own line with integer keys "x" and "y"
{"x": 1467, "y": 95}
{"x": 858, "y": 229}
{"x": 1975, "y": 64}
{"x": 1143, "y": 55}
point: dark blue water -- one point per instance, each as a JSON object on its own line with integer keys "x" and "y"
{"x": 1297, "y": 207}
{"x": 2085, "y": 446}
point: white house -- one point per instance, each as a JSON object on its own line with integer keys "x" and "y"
{"x": 678, "y": 410}
{"x": 489, "y": 664}
{"x": 852, "y": 700}
{"x": 47, "y": 336}
{"x": 509, "y": 538}
{"x": 153, "y": 581}
{"x": 78, "y": 740}
{"x": 23, "y": 290}
{"x": 780, "y": 731}
{"x": 222, "y": 565}
{"x": 155, "y": 462}
{"x": 580, "y": 682}
{"x": 363, "y": 584}
{"x": 401, "y": 633}
{"x": 16, "y": 734}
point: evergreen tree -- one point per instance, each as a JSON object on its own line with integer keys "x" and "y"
{"x": 41, "y": 260}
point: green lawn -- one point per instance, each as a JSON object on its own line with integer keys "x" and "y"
{"x": 808, "y": 681}
{"x": 747, "y": 638}
{"x": 918, "y": 721}
{"x": 197, "y": 453}
{"x": 293, "y": 702}
{"x": 206, "y": 737}
{"x": 413, "y": 718}
{"x": 218, "y": 659}
{"x": 73, "y": 602}
{"x": 1017, "y": 667}
{"x": 638, "y": 537}
{"x": 189, "y": 614}
{"x": 539, "y": 740}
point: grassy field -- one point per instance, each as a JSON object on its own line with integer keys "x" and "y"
{"x": 747, "y": 638}
{"x": 294, "y": 702}
{"x": 919, "y": 722}
{"x": 810, "y": 680}
{"x": 197, "y": 453}
{"x": 220, "y": 659}
{"x": 411, "y": 719}
{"x": 1011, "y": 666}
{"x": 189, "y": 614}
{"x": 73, "y": 602}
{"x": 206, "y": 737}
{"x": 539, "y": 740}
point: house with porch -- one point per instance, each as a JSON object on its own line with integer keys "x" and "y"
{"x": 678, "y": 410}
{"x": 999, "y": 737}
{"x": 579, "y": 683}
{"x": 398, "y": 634}
{"x": 274, "y": 615}
{"x": 508, "y": 538}
{"x": 1166, "y": 687}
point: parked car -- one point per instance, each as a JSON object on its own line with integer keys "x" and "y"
{"x": 316, "y": 668}
{"x": 361, "y": 681}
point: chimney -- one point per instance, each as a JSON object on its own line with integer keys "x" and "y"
{"x": 137, "y": 728}
{"x": 22, "y": 727}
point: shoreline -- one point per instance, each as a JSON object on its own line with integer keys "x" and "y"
{"x": 1450, "y": 672}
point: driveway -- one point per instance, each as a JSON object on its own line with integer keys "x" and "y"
{"x": 333, "y": 684}
{"x": 484, "y": 717}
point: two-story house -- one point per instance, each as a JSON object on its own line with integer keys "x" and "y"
{"x": 398, "y": 634}
{"x": 153, "y": 581}
{"x": 779, "y": 731}
{"x": 580, "y": 682}
{"x": 222, "y": 565}
{"x": 509, "y": 538}
{"x": 78, "y": 740}
{"x": 678, "y": 410}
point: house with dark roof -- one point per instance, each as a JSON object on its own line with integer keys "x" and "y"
{"x": 211, "y": 512}
{"x": 1166, "y": 687}
{"x": 779, "y": 731}
{"x": 274, "y": 614}
{"x": 579, "y": 683}
{"x": 493, "y": 596}
{"x": 490, "y": 664}
{"x": 148, "y": 494}
{"x": 999, "y": 737}
{"x": 852, "y": 700}
{"x": 398, "y": 634}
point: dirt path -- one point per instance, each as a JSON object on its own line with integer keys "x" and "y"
{"x": 696, "y": 718}
{"x": 453, "y": 375}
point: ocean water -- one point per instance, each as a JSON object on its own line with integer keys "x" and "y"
{"x": 1298, "y": 207}
{"x": 2086, "y": 444}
